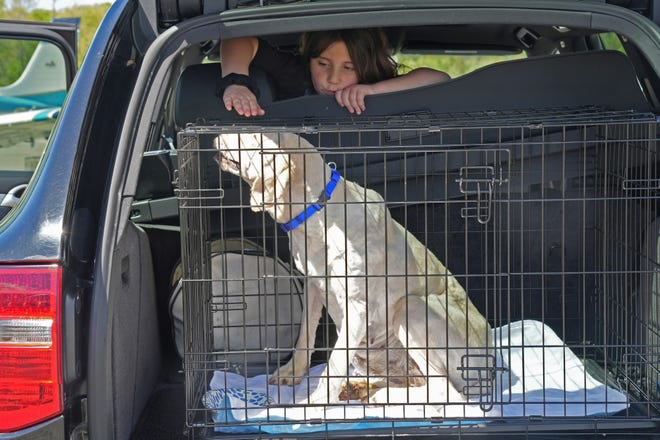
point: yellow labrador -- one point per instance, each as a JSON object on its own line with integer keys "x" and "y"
{"x": 402, "y": 318}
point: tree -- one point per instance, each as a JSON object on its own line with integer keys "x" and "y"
{"x": 90, "y": 17}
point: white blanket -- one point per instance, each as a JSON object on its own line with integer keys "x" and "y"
{"x": 540, "y": 376}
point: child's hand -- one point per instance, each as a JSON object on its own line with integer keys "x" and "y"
{"x": 241, "y": 99}
{"x": 352, "y": 97}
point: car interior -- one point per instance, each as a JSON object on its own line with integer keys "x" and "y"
{"x": 562, "y": 70}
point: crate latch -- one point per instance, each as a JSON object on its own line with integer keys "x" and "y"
{"x": 479, "y": 181}
{"x": 479, "y": 371}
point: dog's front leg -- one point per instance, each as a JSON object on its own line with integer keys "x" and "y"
{"x": 352, "y": 330}
{"x": 293, "y": 371}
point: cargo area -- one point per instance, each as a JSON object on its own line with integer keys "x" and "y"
{"x": 550, "y": 226}
{"x": 542, "y": 209}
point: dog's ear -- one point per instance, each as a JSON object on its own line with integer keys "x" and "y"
{"x": 270, "y": 192}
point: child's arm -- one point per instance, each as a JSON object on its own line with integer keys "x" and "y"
{"x": 353, "y": 97}
{"x": 236, "y": 56}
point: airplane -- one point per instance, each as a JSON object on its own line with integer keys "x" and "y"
{"x": 30, "y": 105}
{"x": 41, "y": 85}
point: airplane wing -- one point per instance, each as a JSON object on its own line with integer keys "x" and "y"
{"x": 29, "y": 128}
{"x": 46, "y": 114}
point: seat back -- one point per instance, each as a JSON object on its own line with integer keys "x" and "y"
{"x": 195, "y": 96}
{"x": 600, "y": 78}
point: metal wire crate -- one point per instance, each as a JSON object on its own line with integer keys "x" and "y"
{"x": 548, "y": 219}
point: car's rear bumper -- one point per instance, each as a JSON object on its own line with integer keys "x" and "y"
{"x": 52, "y": 429}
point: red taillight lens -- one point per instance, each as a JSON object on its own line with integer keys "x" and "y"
{"x": 30, "y": 346}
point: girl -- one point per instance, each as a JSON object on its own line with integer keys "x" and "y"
{"x": 348, "y": 64}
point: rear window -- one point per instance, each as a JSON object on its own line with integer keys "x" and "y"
{"x": 453, "y": 64}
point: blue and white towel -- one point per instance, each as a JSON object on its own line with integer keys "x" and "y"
{"x": 540, "y": 377}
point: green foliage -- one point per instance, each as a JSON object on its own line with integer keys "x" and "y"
{"x": 453, "y": 65}
{"x": 612, "y": 41}
{"x": 90, "y": 18}
{"x": 457, "y": 65}
{"x": 14, "y": 56}
{"x": 41, "y": 15}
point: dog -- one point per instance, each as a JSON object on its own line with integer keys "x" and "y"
{"x": 402, "y": 318}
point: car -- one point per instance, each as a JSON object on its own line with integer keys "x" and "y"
{"x": 532, "y": 175}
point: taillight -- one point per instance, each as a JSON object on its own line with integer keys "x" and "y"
{"x": 30, "y": 346}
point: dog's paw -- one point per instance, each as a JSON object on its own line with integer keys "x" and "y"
{"x": 357, "y": 390}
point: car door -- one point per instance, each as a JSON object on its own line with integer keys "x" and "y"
{"x": 37, "y": 65}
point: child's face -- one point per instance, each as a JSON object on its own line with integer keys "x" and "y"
{"x": 333, "y": 70}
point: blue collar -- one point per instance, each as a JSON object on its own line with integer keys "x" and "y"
{"x": 314, "y": 207}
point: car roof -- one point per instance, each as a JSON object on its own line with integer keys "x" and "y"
{"x": 173, "y": 11}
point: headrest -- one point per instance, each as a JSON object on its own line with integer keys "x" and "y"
{"x": 195, "y": 93}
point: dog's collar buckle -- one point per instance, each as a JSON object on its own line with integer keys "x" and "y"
{"x": 316, "y": 206}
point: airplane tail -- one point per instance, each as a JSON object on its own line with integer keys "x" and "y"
{"x": 42, "y": 83}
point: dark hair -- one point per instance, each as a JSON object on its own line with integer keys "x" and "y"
{"x": 368, "y": 48}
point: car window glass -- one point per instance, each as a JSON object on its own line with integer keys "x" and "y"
{"x": 32, "y": 89}
{"x": 611, "y": 41}
{"x": 454, "y": 65}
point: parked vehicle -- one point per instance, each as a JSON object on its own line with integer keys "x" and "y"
{"x": 532, "y": 174}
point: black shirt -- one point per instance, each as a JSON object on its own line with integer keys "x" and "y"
{"x": 285, "y": 68}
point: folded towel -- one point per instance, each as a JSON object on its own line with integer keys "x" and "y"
{"x": 536, "y": 375}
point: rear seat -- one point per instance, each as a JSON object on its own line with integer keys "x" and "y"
{"x": 571, "y": 80}
{"x": 195, "y": 94}
{"x": 559, "y": 81}
{"x": 525, "y": 88}
{"x": 520, "y": 87}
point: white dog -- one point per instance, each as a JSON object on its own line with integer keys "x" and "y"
{"x": 402, "y": 318}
